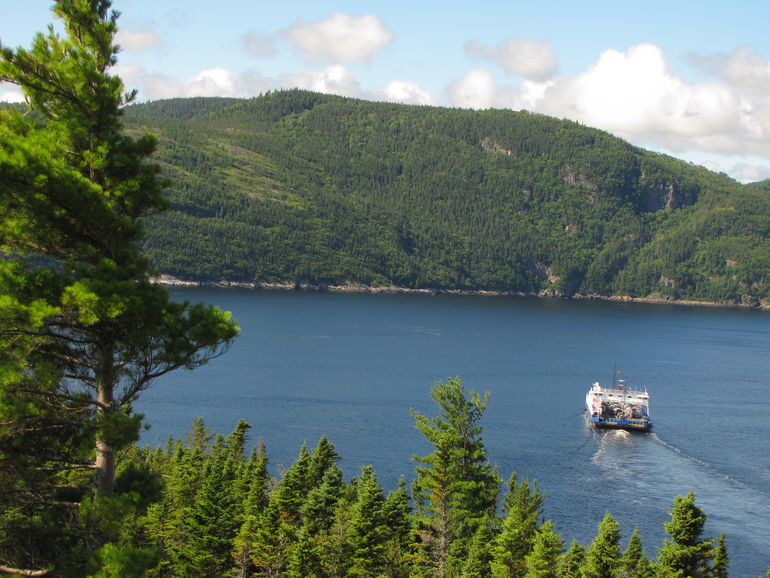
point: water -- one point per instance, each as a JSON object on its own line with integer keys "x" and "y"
{"x": 351, "y": 367}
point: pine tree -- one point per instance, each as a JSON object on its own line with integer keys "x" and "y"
{"x": 456, "y": 489}
{"x": 685, "y": 552}
{"x": 635, "y": 562}
{"x": 720, "y": 559}
{"x": 293, "y": 487}
{"x": 254, "y": 482}
{"x": 543, "y": 560}
{"x": 603, "y": 558}
{"x": 522, "y": 505}
{"x": 83, "y": 329}
{"x": 571, "y": 561}
{"x": 398, "y": 532}
{"x": 319, "y": 508}
{"x": 479, "y": 560}
{"x": 367, "y": 527}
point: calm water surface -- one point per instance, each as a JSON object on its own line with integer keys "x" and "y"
{"x": 351, "y": 367}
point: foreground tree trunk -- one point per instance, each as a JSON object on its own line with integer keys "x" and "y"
{"x": 83, "y": 330}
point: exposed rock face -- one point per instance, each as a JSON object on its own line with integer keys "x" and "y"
{"x": 667, "y": 195}
{"x": 491, "y": 145}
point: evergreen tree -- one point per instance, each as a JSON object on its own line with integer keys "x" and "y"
{"x": 456, "y": 489}
{"x": 319, "y": 508}
{"x": 266, "y": 542}
{"x": 603, "y": 558}
{"x": 480, "y": 557}
{"x": 398, "y": 531}
{"x": 571, "y": 561}
{"x": 720, "y": 560}
{"x": 635, "y": 562}
{"x": 522, "y": 505}
{"x": 254, "y": 482}
{"x": 543, "y": 560}
{"x": 686, "y": 552}
{"x": 367, "y": 527}
{"x": 323, "y": 457}
{"x": 293, "y": 487}
{"x": 82, "y": 328}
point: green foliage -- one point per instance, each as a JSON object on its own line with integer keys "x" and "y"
{"x": 686, "y": 554}
{"x": 603, "y": 558}
{"x": 635, "y": 562}
{"x": 522, "y": 506}
{"x": 204, "y": 519}
{"x": 543, "y": 560}
{"x": 456, "y": 490}
{"x": 299, "y": 187}
{"x": 571, "y": 561}
{"x": 83, "y": 330}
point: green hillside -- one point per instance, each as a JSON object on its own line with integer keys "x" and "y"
{"x": 303, "y": 187}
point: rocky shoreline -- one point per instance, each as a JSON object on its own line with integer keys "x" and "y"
{"x": 170, "y": 281}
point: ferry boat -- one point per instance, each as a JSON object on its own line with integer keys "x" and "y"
{"x": 618, "y": 407}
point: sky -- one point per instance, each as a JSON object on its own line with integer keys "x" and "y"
{"x": 682, "y": 77}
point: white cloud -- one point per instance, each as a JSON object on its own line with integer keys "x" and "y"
{"x": 520, "y": 57}
{"x": 137, "y": 40}
{"x": 212, "y": 82}
{"x": 10, "y": 93}
{"x": 258, "y": 45}
{"x": 477, "y": 89}
{"x": 335, "y": 79}
{"x": 750, "y": 173}
{"x": 339, "y": 38}
{"x": 406, "y": 93}
{"x": 635, "y": 95}
{"x": 159, "y": 86}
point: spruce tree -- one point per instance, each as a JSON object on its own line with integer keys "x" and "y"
{"x": 456, "y": 488}
{"x": 543, "y": 559}
{"x": 571, "y": 561}
{"x": 83, "y": 329}
{"x": 398, "y": 532}
{"x": 367, "y": 527}
{"x": 522, "y": 506}
{"x": 720, "y": 560}
{"x": 603, "y": 558}
{"x": 635, "y": 562}
{"x": 319, "y": 508}
{"x": 686, "y": 552}
{"x": 478, "y": 564}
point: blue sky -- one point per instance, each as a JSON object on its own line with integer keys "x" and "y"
{"x": 691, "y": 79}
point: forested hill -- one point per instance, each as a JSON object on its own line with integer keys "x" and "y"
{"x": 303, "y": 187}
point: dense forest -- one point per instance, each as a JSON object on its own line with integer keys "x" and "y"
{"x": 300, "y": 187}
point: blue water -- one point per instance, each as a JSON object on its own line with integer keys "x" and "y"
{"x": 351, "y": 367}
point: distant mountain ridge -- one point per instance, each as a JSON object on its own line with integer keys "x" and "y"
{"x": 307, "y": 188}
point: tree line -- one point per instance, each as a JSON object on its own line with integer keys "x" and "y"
{"x": 297, "y": 186}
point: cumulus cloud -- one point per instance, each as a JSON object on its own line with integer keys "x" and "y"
{"x": 335, "y": 79}
{"x": 137, "y": 40}
{"x": 520, "y": 57}
{"x": 635, "y": 95}
{"x": 405, "y": 92}
{"x": 339, "y": 38}
{"x": 478, "y": 89}
{"x": 258, "y": 45}
{"x": 212, "y": 82}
